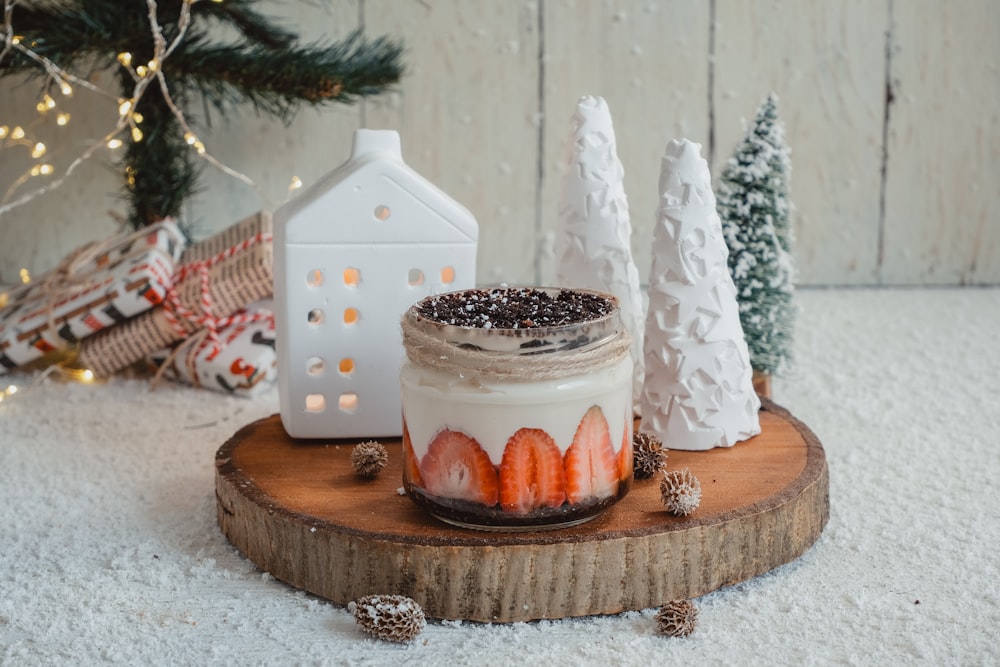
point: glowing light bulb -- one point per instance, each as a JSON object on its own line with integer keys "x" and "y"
{"x": 4, "y": 131}
{"x": 62, "y": 119}
{"x": 153, "y": 65}
{"x": 114, "y": 143}
{"x": 296, "y": 183}
{"x": 125, "y": 58}
{"x": 65, "y": 89}
{"x": 3, "y": 299}
{"x": 190, "y": 138}
{"x": 124, "y": 106}
{"x": 16, "y": 39}
{"x": 17, "y": 132}
{"x": 25, "y": 276}
{"x": 38, "y": 151}
{"x": 87, "y": 375}
{"x": 141, "y": 70}
{"x": 46, "y": 169}
{"x": 136, "y": 134}
{"x": 49, "y": 102}
{"x": 136, "y": 116}
{"x": 200, "y": 147}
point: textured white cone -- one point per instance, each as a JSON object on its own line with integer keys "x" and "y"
{"x": 593, "y": 244}
{"x": 698, "y": 389}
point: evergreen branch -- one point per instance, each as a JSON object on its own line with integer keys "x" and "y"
{"x": 278, "y": 81}
{"x": 251, "y": 24}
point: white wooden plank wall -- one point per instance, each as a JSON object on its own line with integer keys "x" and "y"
{"x": 891, "y": 107}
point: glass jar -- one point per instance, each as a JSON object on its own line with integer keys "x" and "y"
{"x": 517, "y": 407}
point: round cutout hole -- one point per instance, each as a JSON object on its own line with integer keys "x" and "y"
{"x": 351, "y": 315}
{"x": 315, "y": 366}
{"x": 348, "y": 402}
{"x": 346, "y": 366}
{"x": 315, "y": 403}
{"x": 447, "y": 275}
{"x": 315, "y": 316}
{"x": 415, "y": 277}
{"x": 314, "y": 278}
{"x": 382, "y": 212}
{"x": 352, "y": 277}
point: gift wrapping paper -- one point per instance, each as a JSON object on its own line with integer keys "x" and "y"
{"x": 94, "y": 288}
{"x": 217, "y": 277}
{"x": 244, "y": 363}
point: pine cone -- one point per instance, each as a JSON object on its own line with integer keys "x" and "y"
{"x": 648, "y": 455}
{"x": 677, "y": 618}
{"x": 681, "y": 491}
{"x": 394, "y": 618}
{"x": 368, "y": 458}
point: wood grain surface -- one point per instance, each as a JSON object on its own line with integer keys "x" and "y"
{"x": 296, "y": 509}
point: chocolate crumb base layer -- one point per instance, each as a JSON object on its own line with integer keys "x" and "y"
{"x": 515, "y": 308}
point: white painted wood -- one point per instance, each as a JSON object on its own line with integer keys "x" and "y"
{"x": 942, "y": 223}
{"x": 467, "y": 114}
{"x": 825, "y": 62}
{"x": 477, "y": 119}
{"x": 648, "y": 60}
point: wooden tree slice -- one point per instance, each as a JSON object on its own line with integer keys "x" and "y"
{"x": 297, "y": 510}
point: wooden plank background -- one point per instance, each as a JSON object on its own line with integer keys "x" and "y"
{"x": 891, "y": 109}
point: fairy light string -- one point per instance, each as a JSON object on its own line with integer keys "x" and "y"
{"x": 128, "y": 121}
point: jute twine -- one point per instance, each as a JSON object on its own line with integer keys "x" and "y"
{"x": 430, "y": 351}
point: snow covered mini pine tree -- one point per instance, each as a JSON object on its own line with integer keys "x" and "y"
{"x": 698, "y": 392}
{"x": 754, "y": 208}
{"x": 593, "y": 244}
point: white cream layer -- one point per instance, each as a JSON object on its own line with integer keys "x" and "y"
{"x": 493, "y": 412}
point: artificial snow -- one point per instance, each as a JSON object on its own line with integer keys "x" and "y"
{"x": 110, "y": 551}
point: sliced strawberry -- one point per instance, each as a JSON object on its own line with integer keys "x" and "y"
{"x": 591, "y": 467}
{"x": 625, "y": 454}
{"x": 411, "y": 464}
{"x": 455, "y": 466}
{"x": 531, "y": 472}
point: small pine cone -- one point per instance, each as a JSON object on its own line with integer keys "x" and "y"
{"x": 368, "y": 458}
{"x": 677, "y": 618}
{"x": 681, "y": 491}
{"x": 648, "y": 455}
{"x": 394, "y": 618}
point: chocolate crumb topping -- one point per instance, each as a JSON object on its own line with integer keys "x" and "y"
{"x": 514, "y": 308}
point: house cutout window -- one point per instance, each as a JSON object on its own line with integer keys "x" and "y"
{"x": 315, "y": 403}
{"x": 447, "y": 275}
{"x": 315, "y": 366}
{"x": 415, "y": 277}
{"x": 315, "y": 316}
{"x": 314, "y": 278}
{"x": 382, "y": 213}
{"x": 348, "y": 402}
{"x": 351, "y": 315}
{"x": 346, "y": 366}
{"x": 352, "y": 277}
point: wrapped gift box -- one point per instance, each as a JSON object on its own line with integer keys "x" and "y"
{"x": 217, "y": 278}
{"x": 95, "y": 287}
{"x": 243, "y": 363}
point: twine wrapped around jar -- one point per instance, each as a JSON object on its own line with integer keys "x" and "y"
{"x": 428, "y": 345}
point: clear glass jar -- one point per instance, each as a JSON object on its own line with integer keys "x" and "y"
{"x": 516, "y": 424}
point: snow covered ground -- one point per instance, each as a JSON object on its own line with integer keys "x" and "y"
{"x": 110, "y": 552}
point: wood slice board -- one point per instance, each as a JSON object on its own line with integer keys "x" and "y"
{"x": 296, "y": 509}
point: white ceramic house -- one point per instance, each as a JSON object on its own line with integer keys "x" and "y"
{"x": 351, "y": 254}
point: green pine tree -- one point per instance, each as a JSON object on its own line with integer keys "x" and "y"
{"x": 264, "y": 66}
{"x": 754, "y": 208}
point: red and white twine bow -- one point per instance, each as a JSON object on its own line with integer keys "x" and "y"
{"x": 176, "y": 313}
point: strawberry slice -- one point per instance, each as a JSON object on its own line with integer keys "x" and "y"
{"x": 455, "y": 466}
{"x": 625, "y": 454}
{"x": 531, "y": 472}
{"x": 591, "y": 466}
{"x": 411, "y": 464}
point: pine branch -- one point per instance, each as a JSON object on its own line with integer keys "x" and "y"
{"x": 277, "y": 82}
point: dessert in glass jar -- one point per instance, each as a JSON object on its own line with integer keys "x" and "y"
{"x": 517, "y": 407}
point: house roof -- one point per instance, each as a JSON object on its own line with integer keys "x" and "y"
{"x": 375, "y": 197}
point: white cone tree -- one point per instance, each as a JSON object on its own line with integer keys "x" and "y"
{"x": 698, "y": 389}
{"x": 593, "y": 243}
